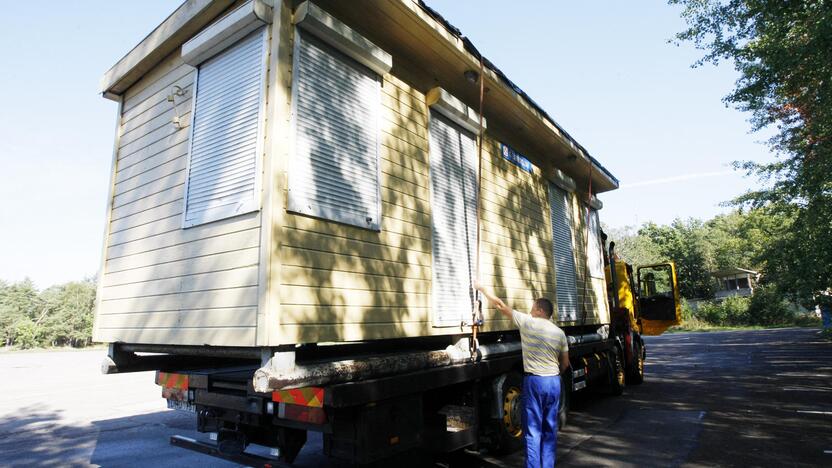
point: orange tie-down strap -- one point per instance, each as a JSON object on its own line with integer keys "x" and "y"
{"x": 170, "y": 380}
{"x": 307, "y": 396}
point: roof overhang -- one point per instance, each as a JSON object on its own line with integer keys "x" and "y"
{"x": 177, "y": 28}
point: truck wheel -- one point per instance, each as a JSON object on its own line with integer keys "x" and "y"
{"x": 635, "y": 374}
{"x": 565, "y": 397}
{"x": 617, "y": 376}
{"x": 510, "y": 426}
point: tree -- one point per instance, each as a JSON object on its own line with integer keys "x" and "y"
{"x": 60, "y": 315}
{"x": 19, "y": 303}
{"x": 687, "y": 244}
{"x": 632, "y": 248}
{"x": 783, "y": 53}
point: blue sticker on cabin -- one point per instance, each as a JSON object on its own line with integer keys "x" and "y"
{"x": 516, "y": 158}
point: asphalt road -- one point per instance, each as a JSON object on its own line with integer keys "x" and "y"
{"x": 755, "y": 398}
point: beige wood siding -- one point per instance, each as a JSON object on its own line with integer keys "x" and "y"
{"x": 162, "y": 283}
{"x": 339, "y": 282}
{"x": 516, "y": 247}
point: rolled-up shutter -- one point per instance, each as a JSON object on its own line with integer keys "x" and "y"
{"x": 595, "y": 256}
{"x": 223, "y": 164}
{"x": 334, "y": 173}
{"x": 563, "y": 254}
{"x": 453, "y": 205}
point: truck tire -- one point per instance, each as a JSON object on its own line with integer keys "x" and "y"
{"x": 635, "y": 374}
{"x": 617, "y": 377}
{"x": 509, "y": 426}
{"x": 565, "y": 397}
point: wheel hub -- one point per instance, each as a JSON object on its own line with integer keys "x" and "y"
{"x": 511, "y": 412}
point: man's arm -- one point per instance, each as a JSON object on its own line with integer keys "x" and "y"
{"x": 494, "y": 300}
{"x": 564, "y": 361}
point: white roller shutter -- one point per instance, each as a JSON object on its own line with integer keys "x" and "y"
{"x": 563, "y": 253}
{"x": 335, "y": 170}
{"x": 222, "y": 174}
{"x": 595, "y": 257}
{"x": 453, "y": 204}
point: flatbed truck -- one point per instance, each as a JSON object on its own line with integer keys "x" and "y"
{"x": 470, "y": 403}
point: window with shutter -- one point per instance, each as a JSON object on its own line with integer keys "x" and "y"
{"x": 453, "y": 193}
{"x": 335, "y": 170}
{"x": 563, "y": 254}
{"x": 595, "y": 256}
{"x": 226, "y": 133}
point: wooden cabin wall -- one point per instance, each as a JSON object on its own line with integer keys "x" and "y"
{"x": 336, "y": 282}
{"x": 516, "y": 232}
{"x": 162, "y": 283}
{"x": 343, "y": 283}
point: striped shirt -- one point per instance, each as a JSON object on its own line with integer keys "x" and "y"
{"x": 542, "y": 342}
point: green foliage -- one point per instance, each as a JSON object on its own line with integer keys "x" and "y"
{"x": 633, "y": 248}
{"x": 783, "y": 53}
{"x": 732, "y": 311}
{"x": 688, "y": 245}
{"x": 768, "y": 307}
{"x": 58, "y": 316}
{"x": 742, "y": 238}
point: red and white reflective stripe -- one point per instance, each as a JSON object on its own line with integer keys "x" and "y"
{"x": 170, "y": 380}
{"x": 308, "y": 396}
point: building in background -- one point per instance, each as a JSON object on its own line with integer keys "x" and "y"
{"x": 735, "y": 282}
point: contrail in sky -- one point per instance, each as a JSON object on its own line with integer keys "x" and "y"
{"x": 681, "y": 178}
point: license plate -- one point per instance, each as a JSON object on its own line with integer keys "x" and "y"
{"x": 181, "y": 406}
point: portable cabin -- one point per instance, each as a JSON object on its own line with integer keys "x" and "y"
{"x": 295, "y": 172}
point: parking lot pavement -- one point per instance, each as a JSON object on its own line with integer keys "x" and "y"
{"x": 760, "y": 398}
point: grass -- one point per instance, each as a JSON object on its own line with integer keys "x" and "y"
{"x": 694, "y": 324}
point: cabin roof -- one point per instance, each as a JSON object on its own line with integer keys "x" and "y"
{"x": 193, "y": 15}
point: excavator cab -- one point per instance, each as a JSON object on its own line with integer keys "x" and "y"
{"x": 658, "y": 299}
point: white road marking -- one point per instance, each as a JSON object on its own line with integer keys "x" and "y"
{"x": 828, "y": 413}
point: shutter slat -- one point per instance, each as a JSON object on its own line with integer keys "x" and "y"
{"x": 335, "y": 169}
{"x": 223, "y": 160}
{"x": 563, "y": 254}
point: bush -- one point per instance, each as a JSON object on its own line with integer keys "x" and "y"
{"x": 732, "y": 311}
{"x": 768, "y": 308}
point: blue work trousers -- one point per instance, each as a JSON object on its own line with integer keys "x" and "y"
{"x": 540, "y": 419}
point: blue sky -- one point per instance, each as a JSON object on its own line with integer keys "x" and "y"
{"x": 603, "y": 69}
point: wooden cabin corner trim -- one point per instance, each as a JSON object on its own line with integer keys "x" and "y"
{"x": 107, "y": 219}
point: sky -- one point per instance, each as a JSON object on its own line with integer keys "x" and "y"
{"x": 604, "y": 70}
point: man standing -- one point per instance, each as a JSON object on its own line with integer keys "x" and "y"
{"x": 545, "y": 356}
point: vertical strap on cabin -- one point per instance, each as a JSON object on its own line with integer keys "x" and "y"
{"x": 476, "y": 313}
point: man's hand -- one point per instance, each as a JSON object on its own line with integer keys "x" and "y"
{"x": 564, "y": 362}
{"x": 494, "y": 300}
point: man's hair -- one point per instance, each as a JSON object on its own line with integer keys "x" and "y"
{"x": 545, "y": 305}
